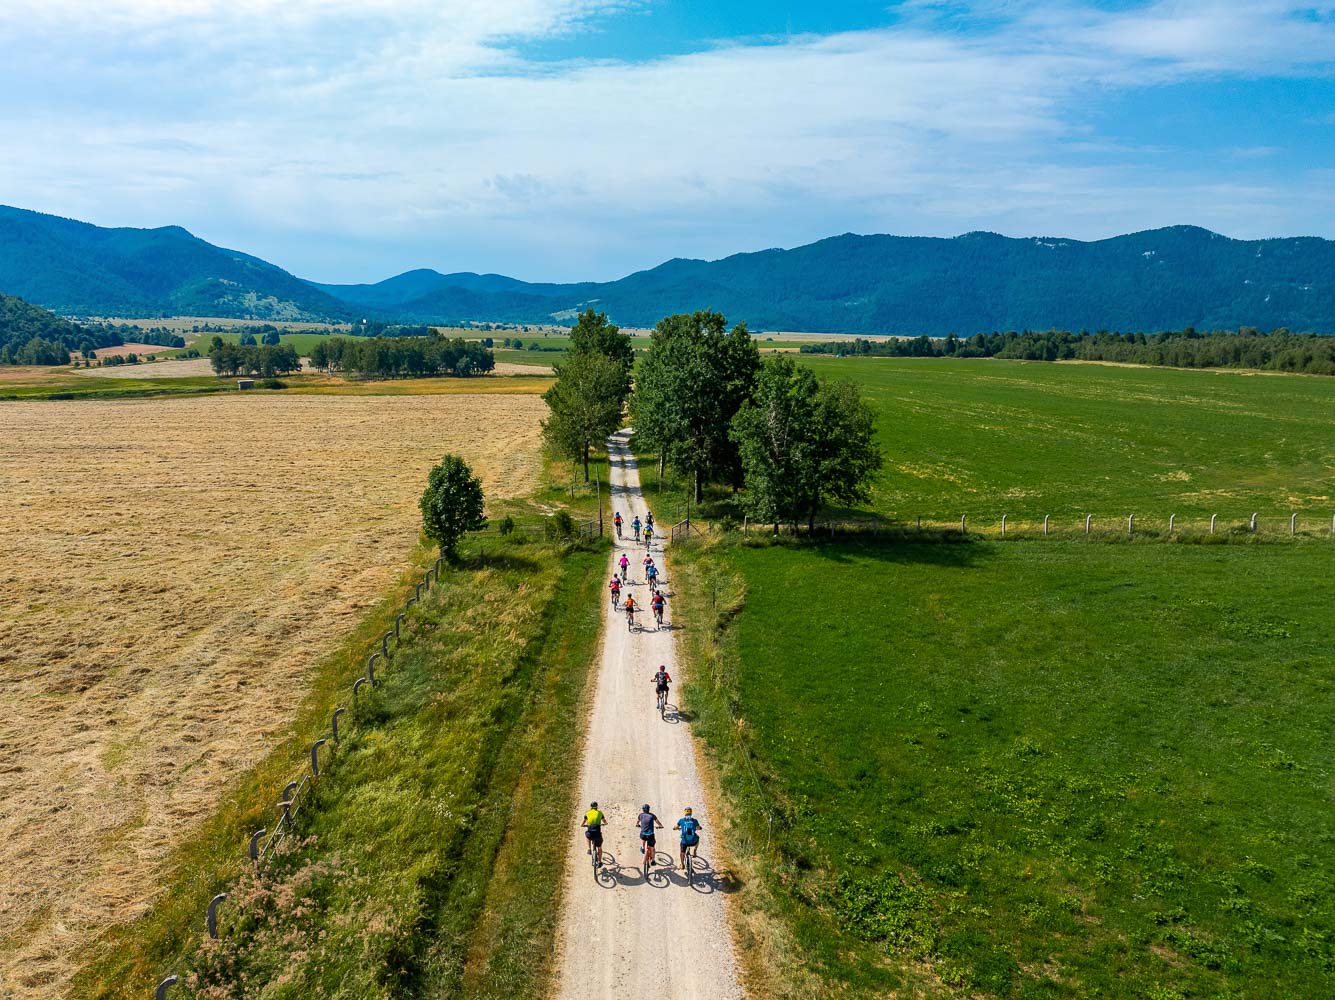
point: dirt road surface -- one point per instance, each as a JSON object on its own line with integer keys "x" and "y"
{"x": 621, "y": 935}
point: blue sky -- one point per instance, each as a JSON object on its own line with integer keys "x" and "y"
{"x": 348, "y": 140}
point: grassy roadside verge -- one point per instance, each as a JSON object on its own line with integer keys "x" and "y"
{"x": 395, "y": 856}
{"x": 775, "y": 944}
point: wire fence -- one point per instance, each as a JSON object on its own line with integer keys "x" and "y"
{"x": 295, "y": 796}
{"x": 1290, "y": 524}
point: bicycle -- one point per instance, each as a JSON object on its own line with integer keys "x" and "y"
{"x": 658, "y": 617}
{"x": 647, "y": 849}
{"x": 662, "y": 703}
{"x": 630, "y": 619}
{"x": 616, "y": 600}
{"x": 690, "y": 865}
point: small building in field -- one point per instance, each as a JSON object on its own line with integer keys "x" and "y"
{"x": 245, "y": 383}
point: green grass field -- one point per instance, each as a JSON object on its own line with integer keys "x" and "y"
{"x": 1043, "y": 769}
{"x": 987, "y": 438}
{"x": 303, "y": 343}
{"x": 61, "y": 383}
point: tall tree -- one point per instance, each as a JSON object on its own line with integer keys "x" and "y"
{"x": 695, "y": 378}
{"x": 451, "y": 504}
{"x": 586, "y": 405}
{"x": 803, "y": 442}
{"x": 593, "y": 334}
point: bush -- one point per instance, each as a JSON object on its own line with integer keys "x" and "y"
{"x": 505, "y": 525}
{"x": 271, "y": 383}
{"x": 561, "y": 526}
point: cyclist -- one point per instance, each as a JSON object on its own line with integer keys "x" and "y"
{"x": 656, "y": 605}
{"x": 635, "y": 527}
{"x": 649, "y": 518}
{"x": 690, "y": 834}
{"x": 648, "y": 537}
{"x": 661, "y": 681}
{"x": 647, "y": 561}
{"x": 593, "y": 830}
{"x": 616, "y": 519}
{"x": 615, "y": 588}
{"x": 647, "y": 822}
{"x": 651, "y": 572}
{"x": 624, "y": 563}
{"x": 630, "y": 610}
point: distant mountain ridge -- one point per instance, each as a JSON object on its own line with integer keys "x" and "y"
{"x": 80, "y": 269}
{"x": 1167, "y": 278}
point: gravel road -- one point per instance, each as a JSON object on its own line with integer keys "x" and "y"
{"x": 621, "y": 935}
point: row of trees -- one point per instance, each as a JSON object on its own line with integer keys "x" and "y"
{"x": 402, "y": 357}
{"x": 1248, "y": 347}
{"x": 265, "y": 361}
{"x": 707, "y": 404}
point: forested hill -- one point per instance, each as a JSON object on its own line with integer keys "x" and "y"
{"x": 79, "y": 269}
{"x": 1161, "y": 279}
{"x": 1157, "y": 280}
{"x": 30, "y": 335}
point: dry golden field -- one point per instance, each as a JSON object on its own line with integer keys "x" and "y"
{"x": 171, "y": 570}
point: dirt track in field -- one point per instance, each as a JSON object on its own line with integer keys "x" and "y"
{"x": 171, "y": 571}
{"x": 622, "y": 934}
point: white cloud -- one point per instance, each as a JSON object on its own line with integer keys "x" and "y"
{"x": 328, "y": 130}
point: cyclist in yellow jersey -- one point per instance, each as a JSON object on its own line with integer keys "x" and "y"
{"x": 593, "y": 831}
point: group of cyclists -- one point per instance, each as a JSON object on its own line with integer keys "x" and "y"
{"x": 639, "y": 529}
{"x": 647, "y": 823}
{"x": 621, "y": 579}
{"x": 688, "y": 826}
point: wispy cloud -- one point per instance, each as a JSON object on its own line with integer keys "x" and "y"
{"x": 326, "y": 132}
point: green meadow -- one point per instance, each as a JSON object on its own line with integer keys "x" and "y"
{"x": 302, "y": 343}
{"x": 1045, "y": 769}
{"x": 1059, "y": 767}
{"x": 986, "y": 438}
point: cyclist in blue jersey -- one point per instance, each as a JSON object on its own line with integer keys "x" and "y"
{"x": 690, "y": 835}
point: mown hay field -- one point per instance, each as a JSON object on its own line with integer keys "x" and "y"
{"x": 172, "y": 570}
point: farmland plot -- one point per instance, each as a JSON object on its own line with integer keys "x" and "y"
{"x": 172, "y": 570}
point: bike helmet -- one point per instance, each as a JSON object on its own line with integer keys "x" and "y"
{"x": 688, "y": 810}
{"x": 646, "y": 807}
{"x": 594, "y": 805}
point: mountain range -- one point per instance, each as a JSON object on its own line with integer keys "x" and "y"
{"x": 1160, "y": 279}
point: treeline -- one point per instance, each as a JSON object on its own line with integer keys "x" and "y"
{"x": 376, "y": 328}
{"x": 31, "y": 335}
{"x": 707, "y": 404}
{"x": 1279, "y": 350}
{"x": 402, "y": 357}
{"x": 266, "y": 360}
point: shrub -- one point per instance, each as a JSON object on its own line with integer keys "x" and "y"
{"x": 272, "y": 383}
{"x": 505, "y": 525}
{"x": 561, "y": 526}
